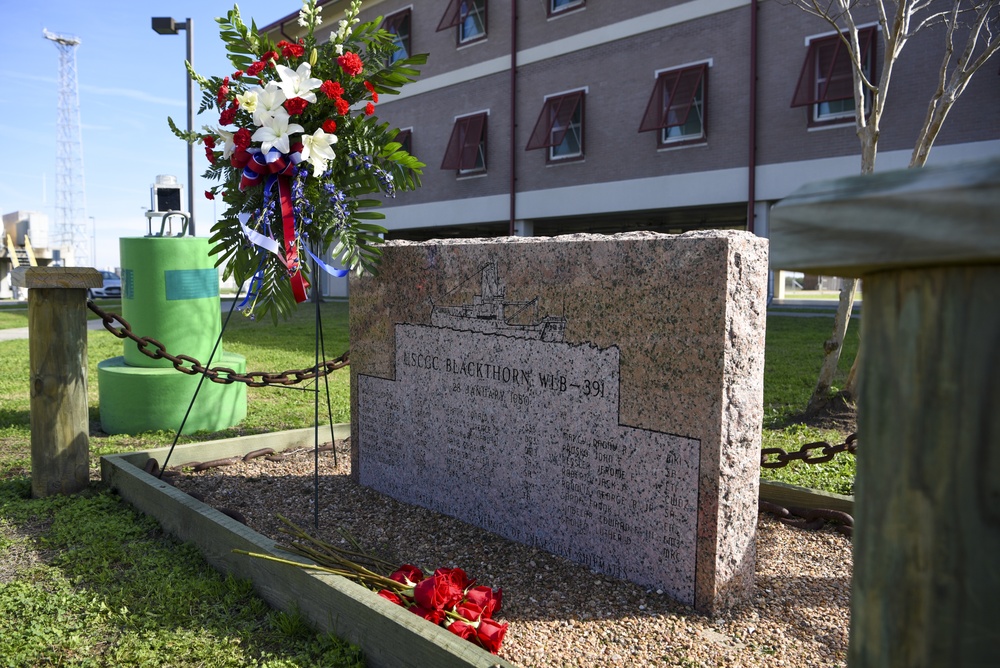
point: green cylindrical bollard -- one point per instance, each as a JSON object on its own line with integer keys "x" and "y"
{"x": 170, "y": 293}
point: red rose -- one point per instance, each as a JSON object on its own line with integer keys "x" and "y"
{"x": 490, "y": 634}
{"x": 485, "y": 598}
{"x": 227, "y": 116}
{"x": 332, "y": 89}
{"x": 469, "y": 611}
{"x": 295, "y": 106}
{"x": 462, "y": 630}
{"x": 351, "y": 64}
{"x": 343, "y": 106}
{"x": 405, "y": 574}
{"x": 369, "y": 109}
{"x": 209, "y": 141}
{"x": 329, "y": 126}
{"x": 242, "y": 138}
{"x": 391, "y": 596}
{"x": 433, "y": 616}
{"x": 458, "y": 575}
{"x": 209, "y": 194}
{"x": 210, "y": 155}
{"x": 438, "y": 592}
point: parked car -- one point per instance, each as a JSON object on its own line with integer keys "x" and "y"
{"x": 112, "y": 287}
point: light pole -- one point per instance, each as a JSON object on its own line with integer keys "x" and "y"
{"x": 165, "y": 25}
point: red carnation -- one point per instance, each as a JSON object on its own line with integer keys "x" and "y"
{"x": 237, "y": 74}
{"x": 295, "y": 106}
{"x": 228, "y": 116}
{"x": 343, "y": 106}
{"x": 269, "y": 56}
{"x": 209, "y": 194}
{"x": 210, "y": 154}
{"x": 239, "y": 158}
{"x": 220, "y": 97}
{"x": 290, "y": 51}
{"x": 371, "y": 89}
{"x": 242, "y": 138}
{"x": 351, "y": 64}
{"x": 369, "y": 109}
{"x": 329, "y": 126}
{"x": 256, "y": 68}
{"x": 332, "y": 89}
{"x": 209, "y": 141}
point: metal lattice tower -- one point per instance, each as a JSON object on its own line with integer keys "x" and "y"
{"x": 71, "y": 202}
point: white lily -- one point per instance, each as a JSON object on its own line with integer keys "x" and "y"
{"x": 248, "y": 100}
{"x": 275, "y": 133}
{"x": 317, "y": 149}
{"x": 269, "y": 102}
{"x": 227, "y": 137}
{"x": 298, "y": 83}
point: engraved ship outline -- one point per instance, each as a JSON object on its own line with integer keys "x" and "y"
{"x": 488, "y": 312}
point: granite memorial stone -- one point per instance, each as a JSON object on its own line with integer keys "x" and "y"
{"x": 599, "y": 397}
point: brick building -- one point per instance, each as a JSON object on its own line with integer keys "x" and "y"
{"x": 639, "y": 114}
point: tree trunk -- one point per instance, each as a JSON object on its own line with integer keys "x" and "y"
{"x": 833, "y": 346}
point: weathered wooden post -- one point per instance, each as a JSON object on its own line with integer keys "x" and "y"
{"x": 57, "y": 345}
{"x": 926, "y": 589}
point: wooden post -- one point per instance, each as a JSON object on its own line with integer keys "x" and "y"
{"x": 926, "y": 589}
{"x": 57, "y": 345}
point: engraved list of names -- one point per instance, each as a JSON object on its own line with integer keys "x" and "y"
{"x": 522, "y": 437}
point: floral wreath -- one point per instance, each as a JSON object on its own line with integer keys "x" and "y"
{"x": 295, "y": 164}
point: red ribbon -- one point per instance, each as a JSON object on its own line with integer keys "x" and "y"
{"x": 281, "y": 167}
{"x": 299, "y": 284}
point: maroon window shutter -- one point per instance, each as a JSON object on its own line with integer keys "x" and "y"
{"x": 473, "y": 137}
{"x": 556, "y": 112}
{"x": 833, "y": 59}
{"x": 682, "y": 96}
{"x": 452, "y": 16}
{"x": 672, "y": 98}
{"x": 654, "y": 109}
{"x": 391, "y": 23}
{"x": 453, "y": 154}
{"x": 463, "y": 146}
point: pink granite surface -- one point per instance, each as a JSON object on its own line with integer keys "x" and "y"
{"x": 625, "y": 437}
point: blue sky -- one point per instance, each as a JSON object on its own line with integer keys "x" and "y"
{"x": 130, "y": 80}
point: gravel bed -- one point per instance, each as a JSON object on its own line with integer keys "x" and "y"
{"x": 561, "y": 613}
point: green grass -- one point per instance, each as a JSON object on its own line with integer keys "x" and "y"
{"x": 792, "y": 359}
{"x": 10, "y": 318}
{"x": 106, "y": 587}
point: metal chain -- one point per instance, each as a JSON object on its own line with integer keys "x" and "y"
{"x": 782, "y": 458}
{"x": 118, "y": 326}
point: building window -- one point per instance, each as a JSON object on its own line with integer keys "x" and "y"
{"x": 676, "y": 109}
{"x": 560, "y": 6}
{"x": 399, "y": 25}
{"x": 560, "y": 127}
{"x": 826, "y": 83}
{"x": 469, "y": 16}
{"x": 466, "y": 150}
{"x": 405, "y": 139}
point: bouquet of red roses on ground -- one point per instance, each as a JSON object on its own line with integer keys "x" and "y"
{"x": 451, "y": 599}
{"x": 448, "y": 598}
{"x": 297, "y": 150}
